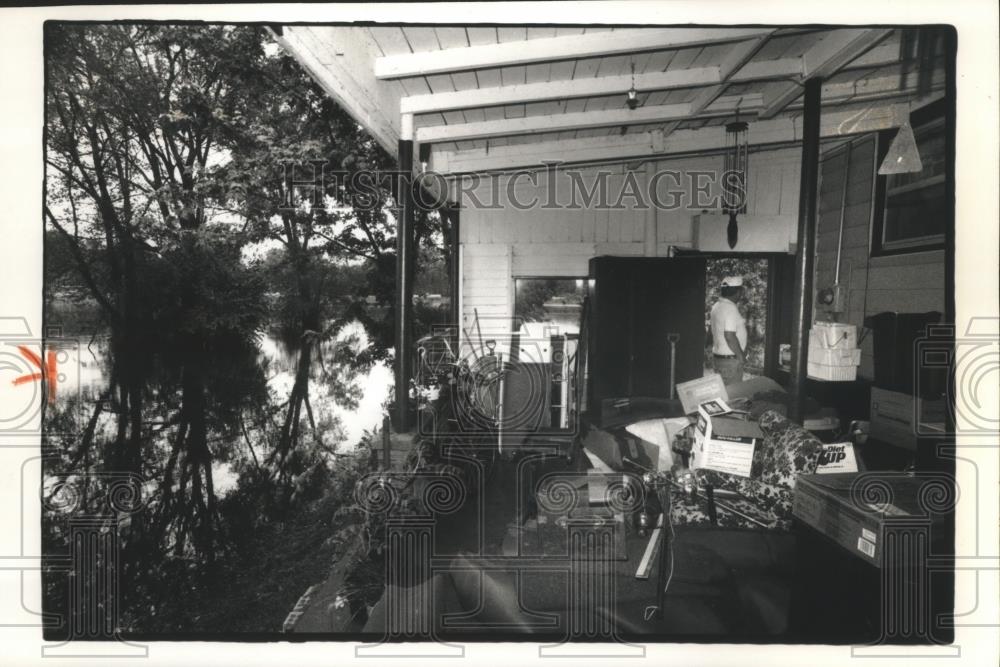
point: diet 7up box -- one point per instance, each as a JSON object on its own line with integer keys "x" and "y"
{"x": 824, "y": 503}
{"x": 724, "y": 442}
{"x": 832, "y": 505}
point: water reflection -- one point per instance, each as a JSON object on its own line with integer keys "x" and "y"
{"x": 343, "y": 423}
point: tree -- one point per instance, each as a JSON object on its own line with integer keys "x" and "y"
{"x": 138, "y": 117}
{"x": 167, "y": 151}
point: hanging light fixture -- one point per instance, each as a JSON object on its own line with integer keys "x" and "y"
{"x": 632, "y": 96}
{"x": 903, "y": 156}
{"x": 734, "y": 174}
{"x": 424, "y": 153}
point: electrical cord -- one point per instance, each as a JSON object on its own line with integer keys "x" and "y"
{"x": 670, "y": 544}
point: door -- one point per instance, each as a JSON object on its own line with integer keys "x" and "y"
{"x": 637, "y": 306}
{"x": 667, "y": 306}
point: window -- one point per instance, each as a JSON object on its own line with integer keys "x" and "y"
{"x": 914, "y": 211}
{"x": 554, "y": 301}
{"x": 547, "y": 313}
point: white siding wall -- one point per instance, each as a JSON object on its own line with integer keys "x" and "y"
{"x": 906, "y": 283}
{"x": 500, "y": 242}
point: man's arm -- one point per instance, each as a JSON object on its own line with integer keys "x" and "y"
{"x": 734, "y": 345}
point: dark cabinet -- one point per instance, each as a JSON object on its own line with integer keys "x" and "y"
{"x": 636, "y": 305}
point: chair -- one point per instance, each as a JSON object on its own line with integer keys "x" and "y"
{"x": 749, "y": 535}
{"x": 765, "y": 498}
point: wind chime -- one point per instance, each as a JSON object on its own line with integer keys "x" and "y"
{"x": 735, "y": 168}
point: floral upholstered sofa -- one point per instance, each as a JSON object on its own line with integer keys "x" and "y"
{"x": 765, "y": 498}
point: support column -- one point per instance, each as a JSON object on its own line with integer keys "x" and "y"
{"x": 806, "y": 248}
{"x": 454, "y": 279}
{"x": 404, "y": 277}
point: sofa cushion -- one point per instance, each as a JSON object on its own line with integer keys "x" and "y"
{"x": 787, "y": 450}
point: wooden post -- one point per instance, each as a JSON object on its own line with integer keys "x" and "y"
{"x": 404, "y": 285}
{"x": 454, "y": 279}
{"x": 806, "y": 248}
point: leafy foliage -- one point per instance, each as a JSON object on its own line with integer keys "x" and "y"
{"x": 174, "y": 232}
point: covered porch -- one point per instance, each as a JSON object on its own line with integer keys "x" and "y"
{"x": 568, "y": 157}
{"x": 490, "y": 118}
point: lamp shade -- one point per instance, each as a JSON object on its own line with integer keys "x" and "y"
{"x": 903, "y": 156}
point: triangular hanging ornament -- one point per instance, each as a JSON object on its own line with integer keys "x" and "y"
{"x": 732, "y": 230}
{"x": 903, "y": 156}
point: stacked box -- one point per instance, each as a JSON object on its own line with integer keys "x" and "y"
{"x": 833, "y": 352}
{"x": 724, "y": 442}
{"x": 833, "y": 335}
{"x": 832, "y": 505}
{"x": 898, "y": 418}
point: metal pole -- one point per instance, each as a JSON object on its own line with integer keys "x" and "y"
{"x": 672, "y": 338}
{"x": 806, "y": 250}
{"x": 499, "y": 357}
{"x": 843, "y": 211}
{"x": 404, "y": 285}
{"x": 454, "y": 279}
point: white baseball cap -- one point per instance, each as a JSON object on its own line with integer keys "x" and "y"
{"x": 732, "y": 281}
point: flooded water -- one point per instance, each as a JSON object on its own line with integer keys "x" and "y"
{"x": 341, "y": 427}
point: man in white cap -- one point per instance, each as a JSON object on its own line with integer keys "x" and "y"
{"x": 729, "y": 332}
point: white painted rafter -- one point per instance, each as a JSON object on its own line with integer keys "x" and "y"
{"x": 557, "y": 90}
{"x": 737, "y": 57}
{"x": 548, "y": 49}
{"x": 578, "y": 120}
{"x": 833, "y": 52}
{"x": 835, "y": 123}
{"x": 692, "y": 77}
{"x": 751, "y": 104}
{"x": 340, "y": 60}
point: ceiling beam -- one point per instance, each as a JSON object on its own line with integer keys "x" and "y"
{"x": 579, "y": 120}
{"x": 883, "y": 54}
{"x": 874, "y": 88}
{"x": 738, "y": 56}
{"x": 671, "y": 115}
{"x": 868, "y": 118}
{"x": 588, "y": 45}
{"x": 558, "y": 90}
{"x": 340, "y": 60}
{"x": 833, "y": 52}
{"x": 551, "y": 123}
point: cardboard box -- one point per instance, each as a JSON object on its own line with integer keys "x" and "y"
{"x": 834, "y": 357}
{"x": 695, "y": 392}
{"x": 833, "y": 335}
{"x": 894, "y": 414}
{"x": 825, "y": 503}
{"x": 659, "y": 433}
{"x": 837, "y": 457}
{"x": 831, "y": 373}
{"x": 724, "y": 442}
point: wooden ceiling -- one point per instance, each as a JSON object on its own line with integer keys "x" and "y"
{"x": 470, "y": 90}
